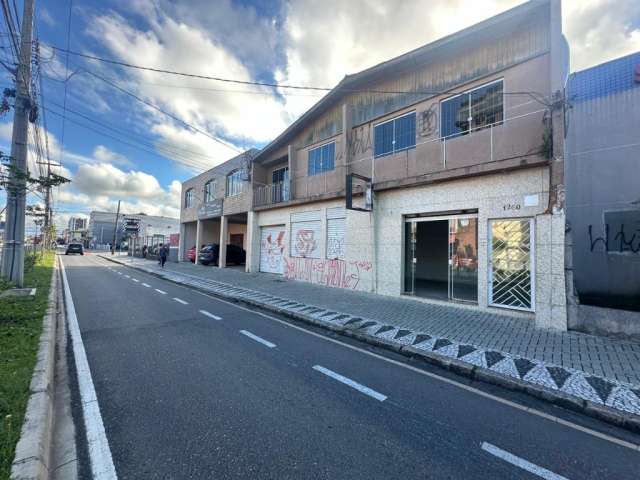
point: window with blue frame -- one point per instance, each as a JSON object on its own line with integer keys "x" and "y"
{"x": 395, "y": 135}
{"x": 322, "y": 159}
{"x": 473, "y": 110}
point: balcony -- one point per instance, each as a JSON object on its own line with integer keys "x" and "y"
{"x": 271, "y": 194}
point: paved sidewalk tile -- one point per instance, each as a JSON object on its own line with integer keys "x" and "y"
{"x": 599, "y": 369}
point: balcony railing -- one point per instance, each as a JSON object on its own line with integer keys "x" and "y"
{"x": 271, "y": 194}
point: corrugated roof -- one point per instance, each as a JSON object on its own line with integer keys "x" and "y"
{"x": 605, "y": 79}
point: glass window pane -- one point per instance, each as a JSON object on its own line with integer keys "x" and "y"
{"x": 405, "y": 132}
{"x": 454, "y": 116}
{"x": 328, "y": 157}
{"x": 487, "y": 105}
{"x": 383, "y": 134}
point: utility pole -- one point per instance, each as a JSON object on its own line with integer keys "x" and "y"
{"x": 13, "y": 251}
{"x": 115, "y": 230}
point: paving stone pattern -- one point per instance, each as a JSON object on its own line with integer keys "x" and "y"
{"x": 603, "y": 370}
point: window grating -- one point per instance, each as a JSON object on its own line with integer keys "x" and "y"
{"x": 472, "y": 110}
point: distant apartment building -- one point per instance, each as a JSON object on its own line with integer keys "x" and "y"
{"x": 435, "y": 175}
{"x": 603, "y": 196}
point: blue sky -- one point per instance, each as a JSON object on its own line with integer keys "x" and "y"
{"x": 139, "y": 155}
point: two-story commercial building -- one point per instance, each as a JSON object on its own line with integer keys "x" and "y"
{"x": 215, "y": 206}
{"x": 461, "y": 142}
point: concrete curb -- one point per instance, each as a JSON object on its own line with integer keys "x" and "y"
{"x": 621, "y": 419}
{"x": 33, "y": 451}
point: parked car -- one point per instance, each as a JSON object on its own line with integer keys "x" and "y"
{"x": 74, "y": 248}
{"x": 210, "y": 253}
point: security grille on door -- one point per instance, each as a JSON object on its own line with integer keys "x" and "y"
{"x": 306, "y": 234}
{"x": 272, "y": 243}
{"x": 511, "y": 278}
{"x": 336, "y": 227}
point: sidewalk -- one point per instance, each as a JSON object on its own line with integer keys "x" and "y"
{"x": 597, "y": 369}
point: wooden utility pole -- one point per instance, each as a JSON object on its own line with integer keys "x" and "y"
{"x": 13, "y": 252}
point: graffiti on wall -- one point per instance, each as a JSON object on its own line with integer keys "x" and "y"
{"x": 359, "y": 141}
{"x": 305, "y": 244}
{"x": 428, "y": 121}
{"x": 331, "y": 273}
{"x": 273, "y": 250}
{"x": 335, "y": 247}
{"x": 621, "y": 233}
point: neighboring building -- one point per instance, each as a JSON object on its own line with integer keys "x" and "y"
{"x": 603, "y": 196}
{"x": 463, "y": 141}
{"x": 76, "y": 231}
{"x": 77, "y": 224}
{"x": 215, "y": 205}
{"x": 102, "y": 225}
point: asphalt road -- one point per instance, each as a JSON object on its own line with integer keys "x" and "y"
{"x": 184, "y": 394}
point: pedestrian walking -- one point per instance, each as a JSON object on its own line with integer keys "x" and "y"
{"x": 163, "y": 252}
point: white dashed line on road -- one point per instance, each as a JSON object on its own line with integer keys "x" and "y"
{"x": 258, "y": 339}
{"x": 119, "y": 273}
{"x": 353, "y": 384}
{"x": 160, "y": 291}
{"x": 210, "y": 315}
{"x": 135, "y": 280}
{"x": 179, "y": 300}
{"x": 521, "y": 462}
{"x": 146, "y": 285}
{"x": 127, "y": 276}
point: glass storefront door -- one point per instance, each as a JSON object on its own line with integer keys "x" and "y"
{"x": 463, "y": 259}
{"x": 441, "y": 257}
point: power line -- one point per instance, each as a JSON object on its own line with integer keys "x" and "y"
{"x": 167, "y": 154}
{"x": 268, "y": 84}
{"x": 66, "y": 84}
{"x": 151, "y": 141}
{"x": 170, "y": 115}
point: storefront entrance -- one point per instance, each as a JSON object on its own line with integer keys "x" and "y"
{"x": 441, "y": 257}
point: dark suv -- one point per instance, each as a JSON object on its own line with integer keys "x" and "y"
{"x": 211, "y": 252}
{"x": 74, "y": 248}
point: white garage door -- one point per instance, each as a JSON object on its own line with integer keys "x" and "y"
{"x": 272, "y": 244}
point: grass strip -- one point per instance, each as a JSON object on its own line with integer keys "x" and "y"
{"x": 20, "y": 328}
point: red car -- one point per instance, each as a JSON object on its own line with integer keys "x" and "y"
{"x": 191, "y": 254}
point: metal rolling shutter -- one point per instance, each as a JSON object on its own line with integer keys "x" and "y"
{"x": 272, "y": 243}
{"x": 336, "y": 228}
{"x": 306, "y": 234}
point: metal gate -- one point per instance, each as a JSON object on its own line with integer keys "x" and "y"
{"x": 511, "y": 246}
{"x": 336, "y": 228}
{"x": 272, "y": 243}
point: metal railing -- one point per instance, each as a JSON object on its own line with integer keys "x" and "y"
{"x": 271, "y": 193}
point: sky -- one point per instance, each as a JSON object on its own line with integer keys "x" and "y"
{"x": 115, "y": 147}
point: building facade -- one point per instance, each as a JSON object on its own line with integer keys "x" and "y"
{"x": 215, "y": 205}
{"x": 603, "y": 196}
{"x": 458, "y": 148}
{"x": 102, "y": 225}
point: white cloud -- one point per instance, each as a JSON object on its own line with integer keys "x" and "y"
{"x": 247, "y": 119}
{"x": 104, "y": 155}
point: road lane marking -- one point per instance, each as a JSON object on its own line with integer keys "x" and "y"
{"x": 135, "y": 280}
{"x": 258, "y": 339}
{"x": 119, "y": 273}
{"x": 127, "y": 276}
{"x": 521, "y": 462}
{"x": 160, "y": 291}
{"x": 179, "y": 300}
{"x": 99, "y": 452}
{"x": 352, "y": 383}
{"x": 210, "y": 315}
{"x": 455, "y": 383}
{"x": 146, "y": 285}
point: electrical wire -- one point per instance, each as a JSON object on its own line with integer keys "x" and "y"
{"x": 66, "y": 84}
{"x": 170, "y": 115}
